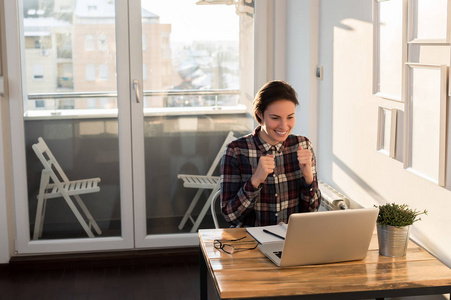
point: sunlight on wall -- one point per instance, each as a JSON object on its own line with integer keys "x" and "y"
{"x": 354, "y": 133}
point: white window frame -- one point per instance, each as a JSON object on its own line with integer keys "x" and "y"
{"x": 91, "y": 72}
{"x": 90, "y": 42}
{"x": 104, "y": 72}
{"x": 38, "y": 70}
{"x": 102, "y": 42}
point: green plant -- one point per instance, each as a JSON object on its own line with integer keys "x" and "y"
{"x": 396, "y": 215}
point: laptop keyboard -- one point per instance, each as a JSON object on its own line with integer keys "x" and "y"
{"x": 278, "y": 254}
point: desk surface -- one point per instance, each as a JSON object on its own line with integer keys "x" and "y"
{"x": 250, "y": 274}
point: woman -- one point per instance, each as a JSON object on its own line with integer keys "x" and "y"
{"x": 270, "y": 174}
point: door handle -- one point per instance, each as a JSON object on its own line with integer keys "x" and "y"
{"x": 136, "y": 88}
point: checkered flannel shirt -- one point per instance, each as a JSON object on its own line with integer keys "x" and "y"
{"x": 282, "y": 193}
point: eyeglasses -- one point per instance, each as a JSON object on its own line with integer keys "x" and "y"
{"x": 228, "y": 248}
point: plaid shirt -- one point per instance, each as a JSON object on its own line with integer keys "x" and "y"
{"x": 284, "y": 192}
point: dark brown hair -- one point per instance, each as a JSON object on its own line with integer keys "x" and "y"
{"x": 272, "y": 92}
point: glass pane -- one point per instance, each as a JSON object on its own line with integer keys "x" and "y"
{"x": 70, "y": 84}
{"x": 198, "y": 86}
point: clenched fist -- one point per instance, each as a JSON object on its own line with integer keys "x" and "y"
{"x": 265, "y": 166}
{"x": 305, "y": 163}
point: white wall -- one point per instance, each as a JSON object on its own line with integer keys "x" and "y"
{"x": 347, "y": 128}
{"x": 347, "y": 117}
{"x": 298, "y": 59}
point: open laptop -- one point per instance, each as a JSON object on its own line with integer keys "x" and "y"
{"x": 324, "y": 237}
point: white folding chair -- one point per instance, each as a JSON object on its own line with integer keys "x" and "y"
{"x": 203, "y": 182}
{"x": 213, "y": 209}
{"x": 55, "y": 184}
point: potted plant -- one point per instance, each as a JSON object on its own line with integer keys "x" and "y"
{"x": 393, "y": 228}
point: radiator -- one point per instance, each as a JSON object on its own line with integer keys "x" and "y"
{"x": 332, "y": 199}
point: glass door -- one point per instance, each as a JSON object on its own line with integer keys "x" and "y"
{"x": 127, "y": 94}
{"x": 196, "y": 62}
{"x": 75, "y": 116}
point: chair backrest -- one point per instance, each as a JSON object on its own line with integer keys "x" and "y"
{"x": 216, "y": 196}
{"x": 49, "y": 161}
{"x": 230, "y": 137}
{"x": 213, "y": 208}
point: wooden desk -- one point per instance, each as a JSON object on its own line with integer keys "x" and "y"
{"x": 250, "y": 274}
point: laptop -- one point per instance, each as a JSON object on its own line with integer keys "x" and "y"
{"x": 324, "y": 237}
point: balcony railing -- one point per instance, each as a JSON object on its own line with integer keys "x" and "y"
{"x": 112, "y": 94}
{"x": 172, "y": 102}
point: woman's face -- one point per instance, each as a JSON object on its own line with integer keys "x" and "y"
{"x": 277, "y": 121}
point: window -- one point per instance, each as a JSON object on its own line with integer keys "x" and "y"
{"x": 197, "y": 49}
{"x": 90, "y": 72}
{"x": 40, "y": 104}
{"x": 38, "y": 72}
{"x": 65, "y": 76}
{"x": 84, "y": 94}
{"x": 64, "y": 45}
{"x": 103, "y": 72}
{"x": 165, "y": 46}
{"x": 102, "y": 43}
{"x": 90, "y": 43}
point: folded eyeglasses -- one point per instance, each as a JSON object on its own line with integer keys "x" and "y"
{"x": 237, "y": 246}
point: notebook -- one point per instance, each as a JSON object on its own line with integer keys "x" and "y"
{"x": 323, "y": 237}
{"x": 258, "y": 233}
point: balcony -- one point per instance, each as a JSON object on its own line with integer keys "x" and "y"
{"x": 177, "y": 139}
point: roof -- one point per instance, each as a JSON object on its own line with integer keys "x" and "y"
{"x": 46, "y": 22}
{"x": 42, "y": 26}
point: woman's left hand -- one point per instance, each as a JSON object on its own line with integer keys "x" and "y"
{"x": 305, "y": 163}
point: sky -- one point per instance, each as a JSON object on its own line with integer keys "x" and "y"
{"x": 196, "y": 22}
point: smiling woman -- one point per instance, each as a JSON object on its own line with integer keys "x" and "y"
{"x": 270, "y": 174}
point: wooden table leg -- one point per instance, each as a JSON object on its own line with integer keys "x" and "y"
{"x": 203, "y": 276}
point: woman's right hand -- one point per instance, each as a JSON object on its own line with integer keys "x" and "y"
{"x": 265, "y": 167}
